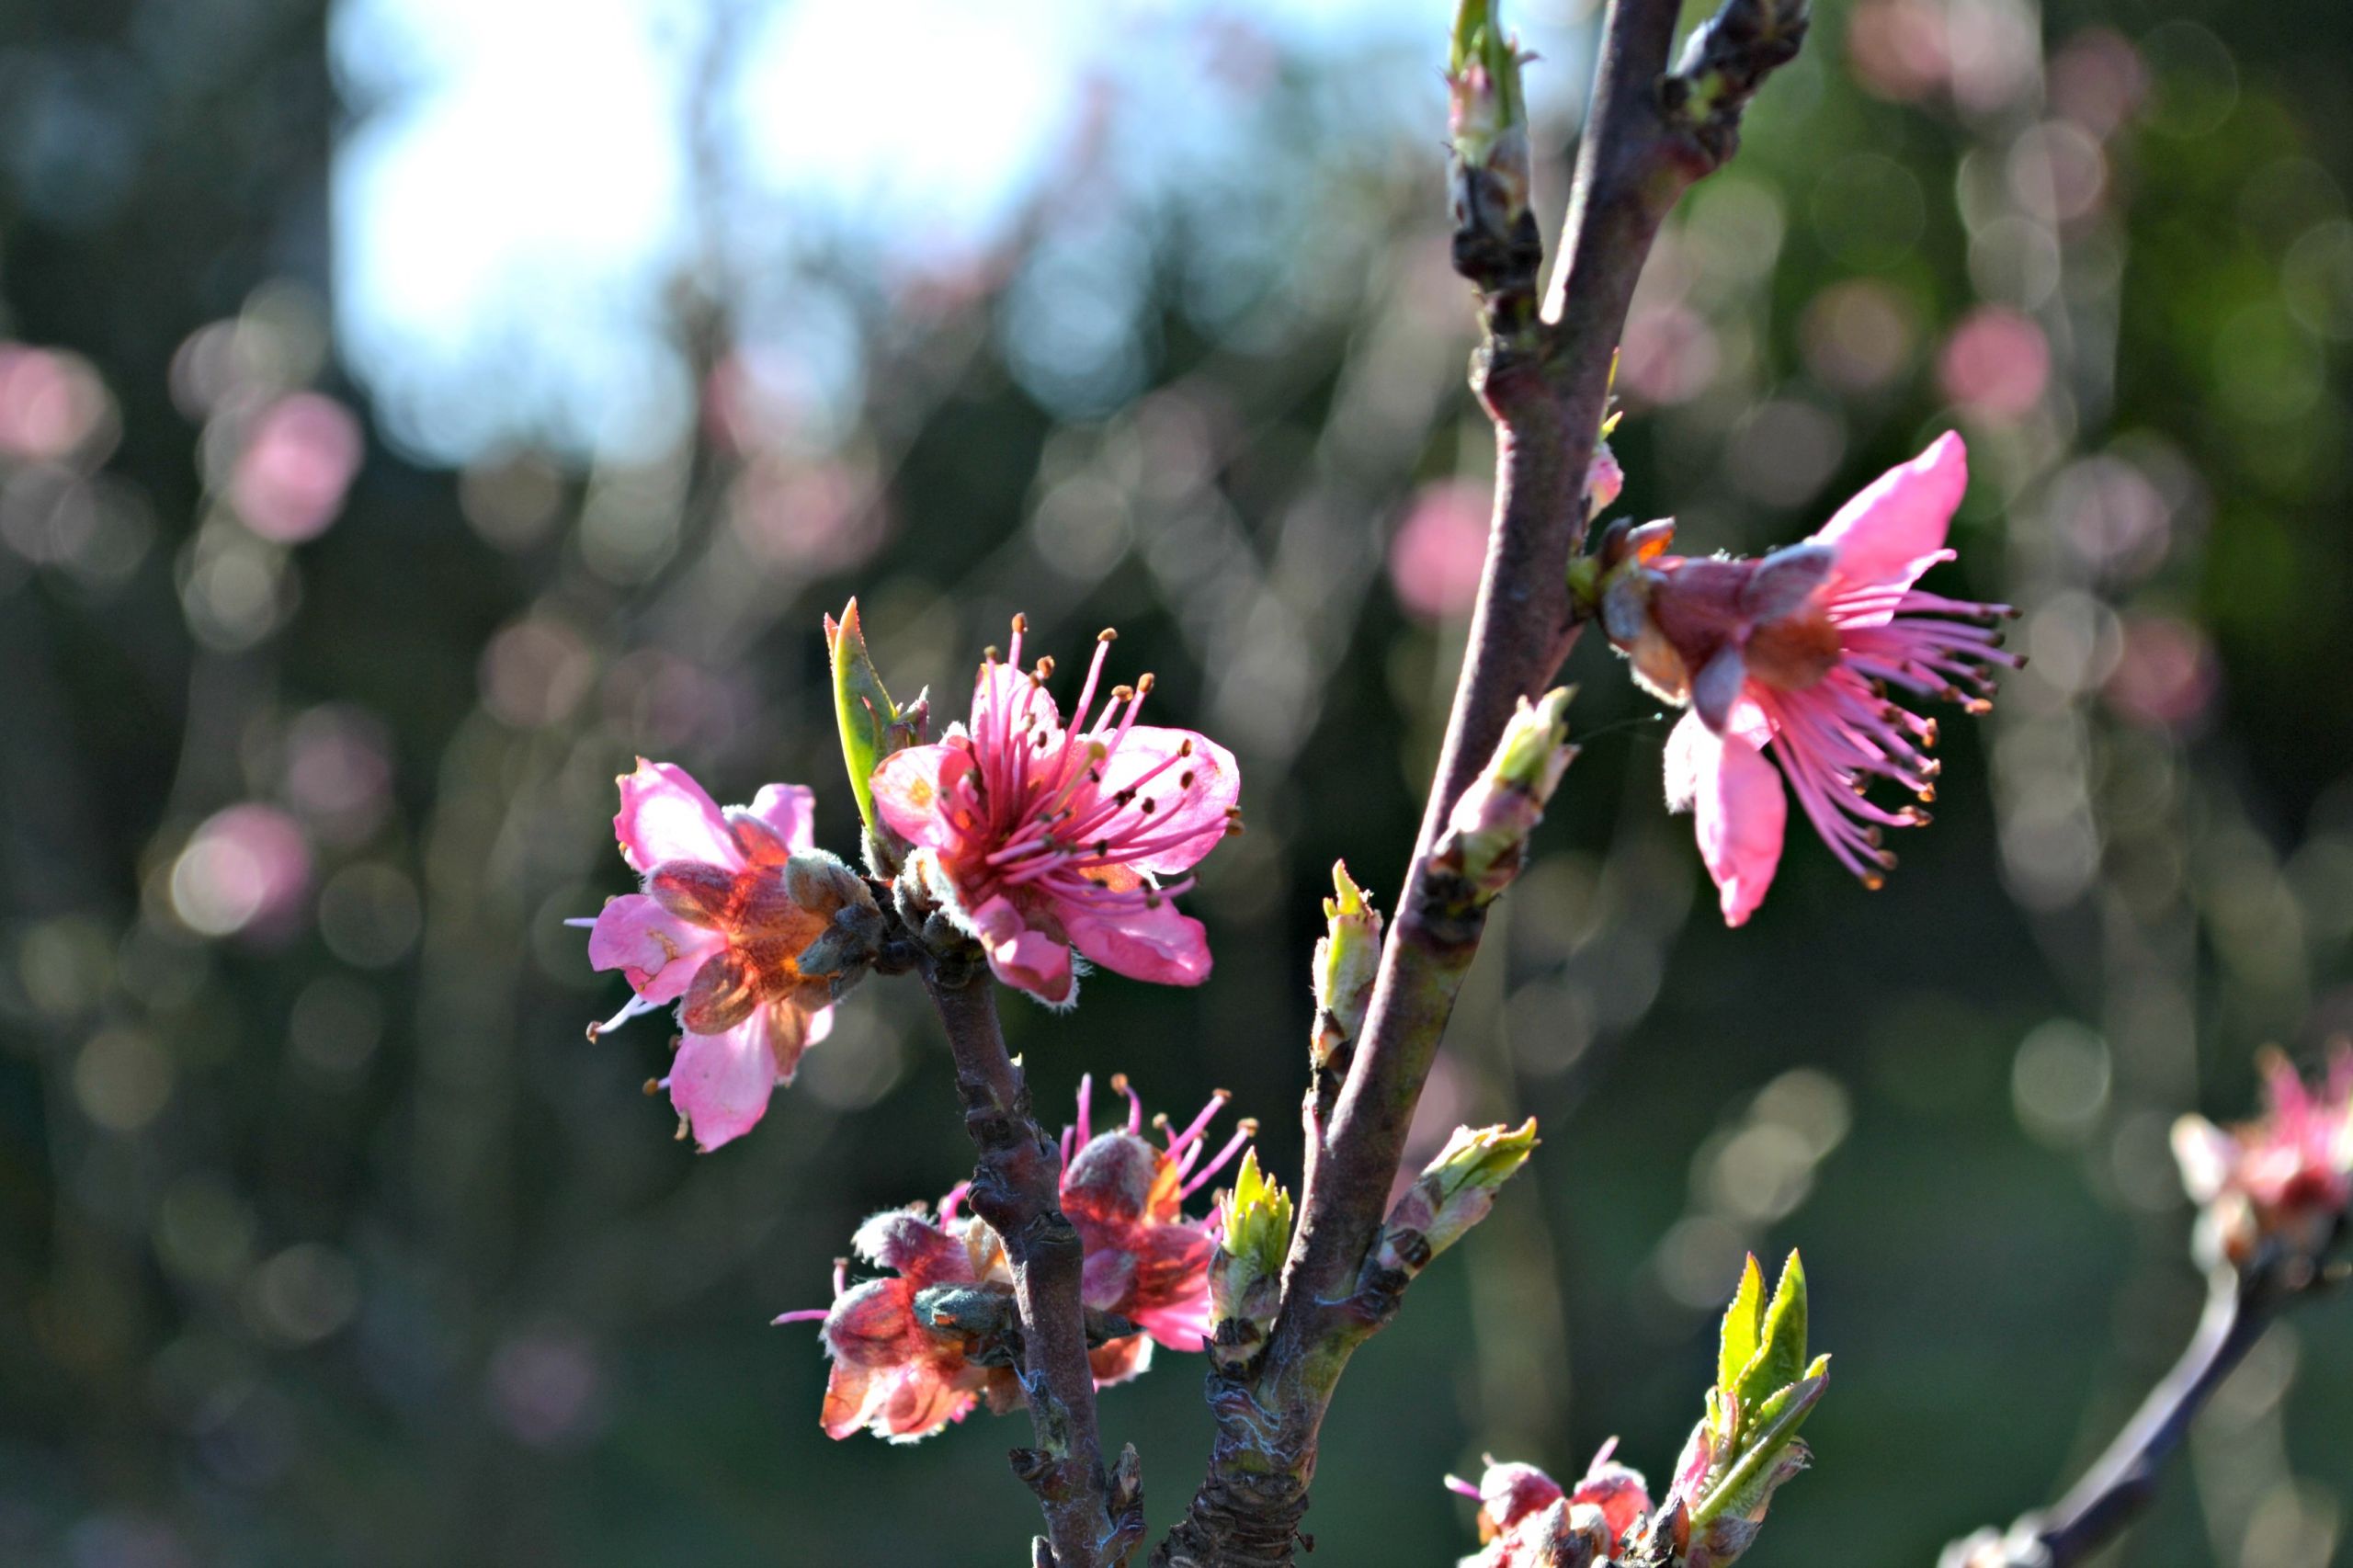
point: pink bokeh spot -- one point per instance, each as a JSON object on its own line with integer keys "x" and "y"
{"x": 49, "y": 402}
{"x": 298, "y": 463}
{"x": 1437, "y": 553}
{"x": 1995, "y": 364}
{"x": 2168, "y": 676}
{"x": 246, "y": 870}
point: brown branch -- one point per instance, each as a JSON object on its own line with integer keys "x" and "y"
{"x": 1544, "y": 380}
{"x": 2123, "y": 1480}
{"x": 1093, "y": 1520}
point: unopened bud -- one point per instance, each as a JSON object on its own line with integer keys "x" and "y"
{"x": 1486, "y": 110}
{"x": 843, "y": 952}
{"x": 1486, "y": 836}
{"x": 1453, "y": 1193}
{"x": 1245, "y": 1277}
{"x": 1347, "y": 957}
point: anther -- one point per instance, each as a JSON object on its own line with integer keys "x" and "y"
{"x": 1187, "y": 749}
{"x": 989, "y": 655}
{"x": 651, "y": 1087}
{"x": 1109, "y": 634}
{"x": 1184, "y": 779}
{"x": 1122, "y": 693}
{"x": 1046, "y": 667}
{"x": 1873, "y": 881}
{"x": 1020, "y": 623}
{"x": 1144, "y": 683}
{"x": 1118, "y": 1083}
{"x": 1147, "y": 805}
{"x": 1248, "y": 1126}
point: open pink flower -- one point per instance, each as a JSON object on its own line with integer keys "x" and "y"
{"x": 895, "y": 1374}
{"x": 732, "y": 899}
{"x": 1145, "y": 1260}
{"x": 2287, "y": 1175}
{"x": 1526, "y": 1520}
{"x": 1793, "y": 657}
{"x": 1038, "y": 839}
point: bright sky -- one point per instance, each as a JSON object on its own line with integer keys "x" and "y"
{"x": 517, "y": 186}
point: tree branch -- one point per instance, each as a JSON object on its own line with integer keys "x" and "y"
{"x": 1093, "y": 1520}
{"x": 1544, "y": 380}
{"x": 2120, "y": 1484}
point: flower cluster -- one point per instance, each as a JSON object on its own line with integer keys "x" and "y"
{"x": 1526, "y": 1520}
{"x": 1738, "y": 1456}
{"x": 1794, "y": 655}
{"x": 919, "y": 1348}
{"x": 2286, "y": 1177}
{"x": 751, "y": 930}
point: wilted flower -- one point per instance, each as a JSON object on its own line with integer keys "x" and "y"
{"x": 1037, "y": 840}
{"x": 1525, "y": 1520}
{"x": 750, "y": 930}
{"x": 2287, "y": 1176}
{"x": 1145, "y": 1261}
{"x": 1794, "y": 654}
{"x": 898, "y": 1371}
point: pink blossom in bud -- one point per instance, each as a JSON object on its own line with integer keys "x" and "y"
{"x": 1038, "y": 839}
{"x": 2286, "y": 1176}
{"x": 1525, "y": 1520}
{"x": 733, "y": 899}
{"x": 895, "y": 1374}
{"x": 1123, "y": 1192}
{"x": 1793, "y": 657}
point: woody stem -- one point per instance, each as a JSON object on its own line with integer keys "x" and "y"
{"x": 1017, "y": 1190}
{"x": 1543, "y": 379}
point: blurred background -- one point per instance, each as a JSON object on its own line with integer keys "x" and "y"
{"x": 412, "y": 410}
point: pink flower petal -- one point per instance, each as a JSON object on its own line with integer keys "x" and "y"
{"x": 655, "y": 950}
{"x": 1894, "y": 529}
{"x": 781, "y": 820}
{"x": 666, "y": 816}
{"x": 1194, "y": 816}
{"x": 1739, "y": 810}
{"x": 915, "y": 789}
{"x": 719, "y": 1082}
{"x": 1183, "y": 1325}
{"x": 1161, "y": 944}
{"x": 1026, "y": 959}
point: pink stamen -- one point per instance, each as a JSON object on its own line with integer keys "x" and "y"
{"x": 1200, "y": 1123}
{"x": 1202, "y": 1178}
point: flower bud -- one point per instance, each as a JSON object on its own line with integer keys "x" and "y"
{"x": 1452, "y": 1194}
{"x": 1486, "y": 836}
{"x": 1486, "y": 112}
{"x": 1347, "y": 957}
{"x": 1245, "y": 1278}
{"x": 872, "y": 728}
{"x": 842, "y": 953}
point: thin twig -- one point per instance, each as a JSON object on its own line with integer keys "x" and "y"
{"x": 2119, "y": 1485}
{"x": 1090, "y": 1521}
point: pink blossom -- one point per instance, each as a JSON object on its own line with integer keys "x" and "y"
{"x": 720, "y": 931}
{"x": 1792, "y": 655}
{"x": 1145, "y": 1260}
{"x": 2287, "y": 1175}
{"x": 1038, "y": 839}
{"x": 1526, "y": 1520}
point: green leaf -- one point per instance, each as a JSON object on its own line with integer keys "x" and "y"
{"x": 1782, "y": 1358}
{"x": 1743, "y": 1329}
{"x": 864, "y": 711}
{"x": 1773, "y": 1429}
